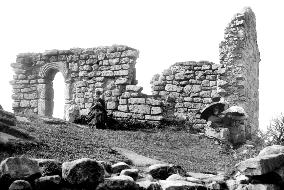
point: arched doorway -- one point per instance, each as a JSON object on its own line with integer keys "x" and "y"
{"x": 46, "y": 88}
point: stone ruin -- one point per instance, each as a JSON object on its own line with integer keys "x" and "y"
{"x": 180, "y": 91}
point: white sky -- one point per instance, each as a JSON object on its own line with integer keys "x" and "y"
{"x": 163, "y": 31}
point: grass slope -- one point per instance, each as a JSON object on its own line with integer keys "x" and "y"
{"x": 68, "y": 142}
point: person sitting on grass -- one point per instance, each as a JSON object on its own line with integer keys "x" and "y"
{"x": 98, "y": 114}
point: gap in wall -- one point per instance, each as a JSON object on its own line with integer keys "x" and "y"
{"x": 58, "y": 87}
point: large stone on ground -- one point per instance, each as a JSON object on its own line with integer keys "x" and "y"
{"x": 83, "y": 172}
{"x": 118, "y": 167}
{"x": 20, "y": 185}
{"x": 121, "y": 177}
{"x": 118, "y": 185}
{"x": 180, "y": 185}
{"x": 274, "y": 149}
{"x": 149, "y": 185}
{"x": 47, "y": 182}
{"x": 258, "y": 187}
{"x": 19, "y": 167}
{"x": 261, "y": 164}
{"x": 220, "y": 133}
{"x": 49, "y": 167}
{"x": 130, "y": 172}
{"x": 163, "y": 171}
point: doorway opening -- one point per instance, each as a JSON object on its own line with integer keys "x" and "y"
{"x": 58, "y": 99}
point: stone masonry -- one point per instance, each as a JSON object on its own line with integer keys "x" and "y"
{"x": 180, "y": 91}
{"x": 239, "y": 54}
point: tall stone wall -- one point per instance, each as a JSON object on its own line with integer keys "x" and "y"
{"x": 239, "y": 81}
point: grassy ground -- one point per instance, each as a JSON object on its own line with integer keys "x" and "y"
{"x": 68, "y": 142}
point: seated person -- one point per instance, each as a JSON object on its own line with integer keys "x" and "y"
{"x": 216, "y": 119}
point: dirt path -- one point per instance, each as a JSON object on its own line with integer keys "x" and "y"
{"x": 137, "y": 159}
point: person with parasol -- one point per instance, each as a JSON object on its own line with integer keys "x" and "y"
{"x": 213, "y": 114}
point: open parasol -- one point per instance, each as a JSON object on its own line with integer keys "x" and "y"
{"x": 235, "y": 111}
{"x": 208, "y": 110}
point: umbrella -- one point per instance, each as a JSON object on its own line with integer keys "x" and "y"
{"x": 235, "y": 111}
{"x": 208, "y": 110}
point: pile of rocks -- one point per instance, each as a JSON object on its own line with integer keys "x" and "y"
{"x": 264, "y": 172}
{"x": 85, "y": 173}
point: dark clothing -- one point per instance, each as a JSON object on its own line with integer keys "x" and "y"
{"x": 215, "y": 121}
{"x": 98, "y": 114}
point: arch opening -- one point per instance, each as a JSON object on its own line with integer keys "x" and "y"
{"x": 58, "y": 98}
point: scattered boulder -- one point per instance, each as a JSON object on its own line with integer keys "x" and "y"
{"x": 180, "y": 185}
{"x": 118, "y": 167}
{"x": 83, "y": 172}
{"x": 130, "y": 172}
{"x": 19, "y": 167}
{"x": 274, "y": 149}
{"x": 20, "y": 185}
{"x": 261, "y": 165}
{"x": 118, "y": 185}
{"x": 49, "y": 167}
{"x": 47, "y": 182}
{"x": 175, "y": 177}
{"x": 163, "y": 171}
{"x": 149, "y": 185}
{"x": 122, "y": 177}
{"x": 107, "y": 168}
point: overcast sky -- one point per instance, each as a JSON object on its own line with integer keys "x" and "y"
{"x": 163, "y": 31}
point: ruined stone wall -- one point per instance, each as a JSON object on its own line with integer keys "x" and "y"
{"x": 179, "y": 92}
{"x": 239, "y": 83}
{"x": 187, "y": 87}
{"x": 109, "y": 69}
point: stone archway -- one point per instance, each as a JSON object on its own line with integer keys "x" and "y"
{"x": 45, "y": 87}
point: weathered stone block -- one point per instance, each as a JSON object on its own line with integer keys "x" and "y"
{"x": 123, "y": 108}
{"x": 261, "y": 165}
{"x": 134, "y": 88}
{"x": 122, "y": 101}
{"x": 111, "y": 105}
{"x": 156, "y": 110}
{"x": 154, "y": 117}
{"x": 136, "y": 100}
{"x": 205, "y": 94}
{"x": 25, "y": 103}
{"x": 153, "y": 102}
{"x": 173, "y": 88}
{"x": 130, "y": 53}
{"x": 121, "y": 114}
{"x": 30, "y": 96}
{"x": 121, "y": 73}
{"x": 143, "y": 109}
{"x": 107, "y": 73}
{"x": 113, "y": 61}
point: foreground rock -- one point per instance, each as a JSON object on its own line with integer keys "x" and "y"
{"x": 261, "y": 165}
{"x": 19, "y": 167}
{"x": 163, "y": 171}
{"x": 274, "y": 149}
{"x": 20, "y": 185}
{"x": 49, "y": 167}
{"x": 85, "y": 173}
{"x": 180, "y": 185}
